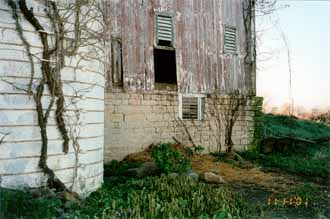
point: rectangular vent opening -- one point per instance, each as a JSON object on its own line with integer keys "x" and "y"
{"x": 164, "y": 28}
{"x": 192, "y": 107}
{"x": 189, "y": 108}
{"x": 230, "y": 40}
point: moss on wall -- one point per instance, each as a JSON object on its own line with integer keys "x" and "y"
{"x": 258, "y": 123}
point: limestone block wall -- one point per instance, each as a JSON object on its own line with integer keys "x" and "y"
{"x": 134, "y": 121}
{"x": 84, "y": 94}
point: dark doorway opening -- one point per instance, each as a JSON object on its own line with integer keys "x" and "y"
{"x": 165, "y": 66}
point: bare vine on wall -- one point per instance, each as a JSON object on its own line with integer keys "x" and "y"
{"x": 222, "y": 114}
{"x": 75, "y": 123}
{"x": 213, "y": 116}
{"x": 233, "y": 105}
{"x": 184, "y": 127}
{"x": 3, "y": 136}
{"x": 70, "y": 32}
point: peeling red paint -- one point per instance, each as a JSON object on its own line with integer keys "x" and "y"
{"x": 202, "y": 67}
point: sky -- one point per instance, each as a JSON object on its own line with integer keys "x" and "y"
{"x": 306, "y": 27}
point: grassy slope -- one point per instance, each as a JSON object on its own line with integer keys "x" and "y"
{"x": 279, "y": 125}
{"x": 308, "y": 160}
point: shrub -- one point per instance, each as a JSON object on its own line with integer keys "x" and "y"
{"x": 169, "y": 160}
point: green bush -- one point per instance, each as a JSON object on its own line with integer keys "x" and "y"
{"x": 169, "y": 160}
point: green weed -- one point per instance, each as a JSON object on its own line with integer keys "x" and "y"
{"x": 169, "y": 160}
{"x": 166, "y": 197}
{"x": 19, "y": 204}
{"x": 152, "y": 197}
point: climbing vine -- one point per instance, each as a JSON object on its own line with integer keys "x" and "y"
{"x": 4, "y": 135}
{"x": 57, "y": 45}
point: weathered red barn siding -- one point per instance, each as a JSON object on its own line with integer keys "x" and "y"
{"x": 132, "y": 120}
{"x": 202, "y": 65}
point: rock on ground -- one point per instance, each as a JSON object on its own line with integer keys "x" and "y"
{"x": 193, "y": 175}
{"x": 213, "y": 178}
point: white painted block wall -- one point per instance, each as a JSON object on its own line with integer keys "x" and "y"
{"x": 20, "y": 151}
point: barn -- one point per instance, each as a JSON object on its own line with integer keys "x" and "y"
{"x": 171, "y": 62}
{"x": 170, "y": 70}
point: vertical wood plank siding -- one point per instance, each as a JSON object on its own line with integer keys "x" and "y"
{"x": 202, "y": 66}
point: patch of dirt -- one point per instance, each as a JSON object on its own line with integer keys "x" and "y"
{"x": 271, "y": 182}
{"x": 144, "y": 156}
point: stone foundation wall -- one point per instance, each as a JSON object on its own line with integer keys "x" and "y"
{"x": 134, "y": 121}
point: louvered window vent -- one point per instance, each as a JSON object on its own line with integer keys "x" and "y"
{"x": 164, "y": 28}
{"x": 191, "y": 107}
{"x": 230, "y": 40}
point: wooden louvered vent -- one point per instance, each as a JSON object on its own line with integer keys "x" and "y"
{"x": 189, "y": 108}
{"x": 164, "y": 27}
{"x": 230, "y": 40}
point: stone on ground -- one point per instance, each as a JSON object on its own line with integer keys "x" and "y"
{"x": 213, "y": 178}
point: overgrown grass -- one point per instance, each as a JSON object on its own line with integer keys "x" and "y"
{"x": 18, "y": 204}
{"x": 151, "y": 197}
{"x": 314, "y": 161}
{"x": 166, "y": 197}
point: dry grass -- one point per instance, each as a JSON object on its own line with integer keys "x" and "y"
{"x": 272, "y": 182}
{"x": 143, "y": 156}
